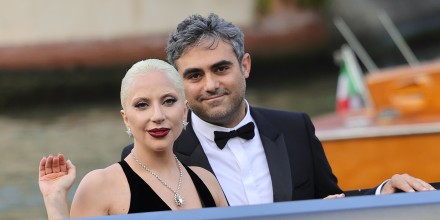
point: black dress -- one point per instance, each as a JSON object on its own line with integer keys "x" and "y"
{"x": 144, "y": 199}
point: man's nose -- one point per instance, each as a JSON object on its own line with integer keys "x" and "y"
{"x": 211, "y": 82}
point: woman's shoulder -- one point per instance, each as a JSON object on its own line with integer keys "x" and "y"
{"x": 107, "y": 174}
{"x": 97, "y": 192}
{"x": 101, "y": 180}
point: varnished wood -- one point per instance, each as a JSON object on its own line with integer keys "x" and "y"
{"x": 366, "y": 162}
{"x": 399, "y": 133}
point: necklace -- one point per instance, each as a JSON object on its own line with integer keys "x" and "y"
{"x": 178, "y": 199}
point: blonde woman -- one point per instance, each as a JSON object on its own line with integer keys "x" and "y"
{"x": 151, "y": 178}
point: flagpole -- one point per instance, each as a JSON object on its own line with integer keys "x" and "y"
{"x": 354, "y": 43}
{"x": 397, "y": 37}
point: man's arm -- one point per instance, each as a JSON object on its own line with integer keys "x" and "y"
{"x": 326, "y": 181}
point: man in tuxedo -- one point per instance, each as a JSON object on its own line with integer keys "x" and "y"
{"x": 258, "y": 155}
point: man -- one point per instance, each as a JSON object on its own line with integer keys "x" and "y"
{"x": 277, "y": 156}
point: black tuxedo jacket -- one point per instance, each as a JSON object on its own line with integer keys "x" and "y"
{"x": 297, "y": 163}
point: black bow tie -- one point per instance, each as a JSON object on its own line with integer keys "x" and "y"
{"x": 245, "y": 132}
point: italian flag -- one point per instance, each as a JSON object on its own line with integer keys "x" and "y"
{"x": 347, "y": 94}
{"x": 351, "y": 91}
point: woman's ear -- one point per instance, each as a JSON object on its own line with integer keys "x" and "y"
{"x": 125, "y": 118}
{"x": 185, "y": 110}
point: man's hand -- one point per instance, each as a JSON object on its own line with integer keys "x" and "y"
{"x": 405, "y": 183}
{"x": 335, "y": 196}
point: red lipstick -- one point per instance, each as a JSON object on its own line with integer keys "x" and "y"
{"x": 159, "y": 132}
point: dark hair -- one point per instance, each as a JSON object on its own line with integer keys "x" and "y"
{"x": 196, "y": 29}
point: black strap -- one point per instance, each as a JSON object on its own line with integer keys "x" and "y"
{"x": 204, "y": 194}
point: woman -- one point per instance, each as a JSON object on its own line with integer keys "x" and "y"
{"x": 149, "y": 179}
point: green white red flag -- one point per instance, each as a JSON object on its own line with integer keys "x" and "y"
{"x": 351, "y": 91}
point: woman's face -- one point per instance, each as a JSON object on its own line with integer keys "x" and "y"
{"x": 154, "y": 111}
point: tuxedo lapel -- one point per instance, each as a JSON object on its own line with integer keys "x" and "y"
{"x": 189, "y": 150}
{"x": 276, "y": 155}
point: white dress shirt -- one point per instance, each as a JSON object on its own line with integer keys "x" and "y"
{"x": 241, "y": 167}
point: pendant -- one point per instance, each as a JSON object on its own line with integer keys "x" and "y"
{"x": 178, "y": 199}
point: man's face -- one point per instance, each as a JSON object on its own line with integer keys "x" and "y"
{"x": 215, "y": 83}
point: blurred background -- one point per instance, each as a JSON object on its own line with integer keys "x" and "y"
{"x": 61, "y": 63}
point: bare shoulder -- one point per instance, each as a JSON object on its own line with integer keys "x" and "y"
{"x": 211, "y": 182}
{"x": 102, "y": 177}
{"x": 97, "y": 191}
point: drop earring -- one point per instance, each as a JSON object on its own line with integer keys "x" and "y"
{"x": 130, "y": 134}
{"x": 185, "y": 123}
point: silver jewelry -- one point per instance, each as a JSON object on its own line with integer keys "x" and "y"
{"x": 185, "y": 123}
{"x": 130, "y": 134}
{"x": 178, "y": 199}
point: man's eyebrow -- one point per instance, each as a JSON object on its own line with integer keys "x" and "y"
{"x": 214, "y": 66}
{"x": 190, "y": 70}
{"x": 221, "y": 63}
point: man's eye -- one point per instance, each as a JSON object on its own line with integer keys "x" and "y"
{"x": 194, "y": 76}
{"x": 222, "y": 69}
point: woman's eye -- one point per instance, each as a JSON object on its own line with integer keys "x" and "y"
{"x": 170, "y": 101}
{"x": 141, "y": 105}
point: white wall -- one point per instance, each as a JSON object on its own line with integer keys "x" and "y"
{"x": 28, "y": 22}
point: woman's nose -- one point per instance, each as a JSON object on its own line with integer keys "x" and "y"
{"x": 158, "y": 115}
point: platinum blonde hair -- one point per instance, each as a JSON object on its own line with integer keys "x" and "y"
{"x": 144, "y": 67}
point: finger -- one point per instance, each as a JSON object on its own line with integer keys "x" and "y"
{"x": 48, "y": 165}
{"x": 56, "y": 164}
{"x": 426, "y": 185}
{"x": 429, "y": 186}
{"x": 42, "y": 167}
{"x": 71, "y": 169}
{"x": 420, "y": 185}
{"x": 402, "y": 182}
{"x": 335, "y": 196}
{"x": 62, "y": 161}
{"x": 405, "y": 187}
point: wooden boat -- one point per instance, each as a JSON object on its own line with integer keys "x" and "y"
{"x": 396, "y": 131}
{"x": 400, "y": 134}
